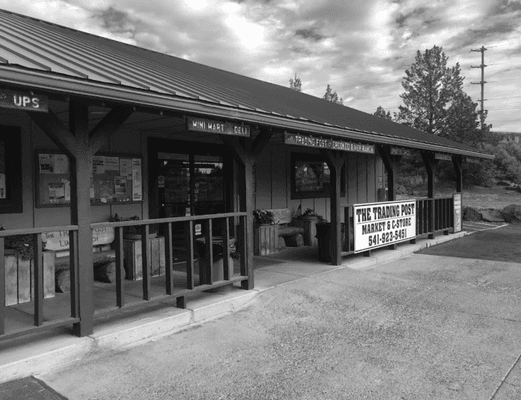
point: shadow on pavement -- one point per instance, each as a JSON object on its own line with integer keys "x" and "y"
{"x": 502, "y": 244}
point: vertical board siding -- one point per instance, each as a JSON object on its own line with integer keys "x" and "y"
{"x": 371, "y": 178}
{"x": 352, "y": 179}
{"x": 361, "y": 167}
{"x": 281, "y": 184}
{"x": 263, "y": 179}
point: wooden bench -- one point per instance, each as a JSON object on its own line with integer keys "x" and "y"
{"x": 103, "y": 256}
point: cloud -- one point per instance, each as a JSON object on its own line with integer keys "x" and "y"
{"x": 361, "y": 48}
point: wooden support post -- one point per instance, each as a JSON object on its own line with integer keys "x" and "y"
{"x": 80, "y": 169}
{"x": 428, "y": 160}
{"x": 38, "y": 279}
{"x": 118, "y": 241}
{"x": 76, "y": 143}
{"x": 390, "y": 166}
{"x": 145, "y": 261}
{"x": 2, "y": 286}
{"x": 456, "y": 162}
{"x": 335, "y": 160}
{"x": 169, "y": 259}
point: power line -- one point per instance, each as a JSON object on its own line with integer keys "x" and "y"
{"x": 482, "y": 82}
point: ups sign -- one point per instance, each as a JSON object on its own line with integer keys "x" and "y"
{"x": 23, "y": 101}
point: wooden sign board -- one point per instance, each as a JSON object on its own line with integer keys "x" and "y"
{"x": 210, "y": 126}
{"x": 400, "y": 151}
{"x": 59, "y": 240}
{"x": 442, "y": 156}
{"x": 23, "y": 101}
{"x": 329, "y": 144}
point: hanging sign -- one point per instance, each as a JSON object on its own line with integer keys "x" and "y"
{"x": 381, "y": 224}
{"x": 442, "y": 156}
{"x": 329, "y": 144}
{"x": 400, "y": 151}
{"x": 225, "y": 128}
{"x": 23, "y": 101}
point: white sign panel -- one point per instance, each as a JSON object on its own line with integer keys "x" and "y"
{"x": 382, "y": 224}
{"x": 457, "y": 212}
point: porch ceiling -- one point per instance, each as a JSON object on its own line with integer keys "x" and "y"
{"x": 44, "y": 56}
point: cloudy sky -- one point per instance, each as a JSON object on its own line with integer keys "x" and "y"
{"x": 361, "y": 48}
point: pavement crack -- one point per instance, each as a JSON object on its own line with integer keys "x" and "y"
{"x": 505, "y": 377}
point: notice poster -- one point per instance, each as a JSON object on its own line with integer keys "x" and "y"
{"x": 46, "y": 164}
{"x": 2, "y": 186}
{"x": 136, "y": 180}
{"x": 125, "y": 167}
{"x": 56, "y": 192}
{"x": 67, "y": 188}
{"x": 111, "y": 164}
{"x": 98, "y": 165}
{"x": 382, "y": 224}
{"x": 457, "y": 212}
{"x": 60, "y": 164}
{"x": 120, "y": 185}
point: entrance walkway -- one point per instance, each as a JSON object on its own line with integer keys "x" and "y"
{"x": 45, "y": 351}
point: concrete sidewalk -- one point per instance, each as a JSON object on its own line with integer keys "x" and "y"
{"x": 48, "y": 350}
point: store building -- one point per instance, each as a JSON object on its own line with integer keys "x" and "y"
{"x": 91, "y": 128}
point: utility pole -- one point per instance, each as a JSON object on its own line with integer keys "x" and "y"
{"x": 482, "y": 82}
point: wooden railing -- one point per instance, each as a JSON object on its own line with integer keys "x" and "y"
{"x": 37, "y": 278}
{"x": 206, "y": 271}
{"x": 434, "y": 215}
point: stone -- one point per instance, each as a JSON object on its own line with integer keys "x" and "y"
{"x": 63, "y": 281}
{"x": 512, "y": 213}
{"x": 492, "y": 215}
{"x": 504, "y": 183}
{"x": 401, "y": 189}
{"x": 471, "y": 214}
{"x": 282, "y": 243}
{"x": 107, "y": 272}
{"x": 294, "y": 240}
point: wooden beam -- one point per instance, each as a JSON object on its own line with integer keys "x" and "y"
{"x": 53, "y": 127}
{"x": 390, "y": 166}
{"x": 261, "y": 141}
{"x": 456, "y": 162}
{"x": 108, "y": 125}
{"x": 80, "y": 167}
{"x": 335, "y": 161}
{"x": 238, "y": 151}
{"x": 428, "y": 161}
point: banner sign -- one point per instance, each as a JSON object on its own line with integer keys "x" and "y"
{"x": 59, "y": 240}
{"x": 400, "y": 151}
{"x": 225, "y": 128}
{"x": 442, "y": 156}
{"x": 329, "y": 144}
{"x": 23, "y": 101}
{"x": 382, "y": 224}
{"x": 457, "y": 212}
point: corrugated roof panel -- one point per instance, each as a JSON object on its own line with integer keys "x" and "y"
{"x": 44, "y": 45}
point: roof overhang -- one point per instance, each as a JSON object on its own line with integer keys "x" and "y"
{"x": 52, "y": 82}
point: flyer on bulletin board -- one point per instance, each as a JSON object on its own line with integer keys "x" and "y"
{"x": 46, "y": 163}
{"x": 136, "y": 179}
{"x": 2, "y": 186}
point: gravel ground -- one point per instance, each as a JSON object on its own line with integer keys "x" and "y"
{"x": 424, "y": 327}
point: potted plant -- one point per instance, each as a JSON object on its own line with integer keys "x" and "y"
{"x": 265, "y": 233}
{"x": 130, "y": 232}
{"x": 309, "y": 214}
{"x": 263, "y": 217}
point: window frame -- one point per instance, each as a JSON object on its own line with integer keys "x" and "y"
{"x": 12, "y": 138}
{"x": 296, "y": 157}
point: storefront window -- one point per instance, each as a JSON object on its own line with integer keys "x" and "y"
{"x": 10, "y": 170}
{"x": 311, "y": 177}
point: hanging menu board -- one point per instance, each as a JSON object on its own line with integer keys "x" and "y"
{"x": 114, "y": 179}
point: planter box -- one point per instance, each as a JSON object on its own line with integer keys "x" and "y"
{"x": 133, "y": 257}
{"x": 265, "y": 239}
{"x": 310, "y": 229}
{"x": 19, "y": 281}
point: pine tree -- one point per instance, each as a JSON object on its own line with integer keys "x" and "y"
{"x": 332, "y": 96}
{"x": 380, "y": 112}
{"x": 295, "y": 84}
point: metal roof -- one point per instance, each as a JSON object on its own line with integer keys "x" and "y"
{"x": 47, "y": 56}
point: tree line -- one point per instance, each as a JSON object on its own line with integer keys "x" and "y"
{"x": 435, "y": 102}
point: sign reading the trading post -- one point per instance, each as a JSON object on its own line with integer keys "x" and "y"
{"x": 457, "y": 212}
{"x": 210, "y": 126}
{"x": 328, "y": 144}
{"x": 382, "y": 224}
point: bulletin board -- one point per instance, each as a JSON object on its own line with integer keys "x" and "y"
{"x": 115, "y": 179}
